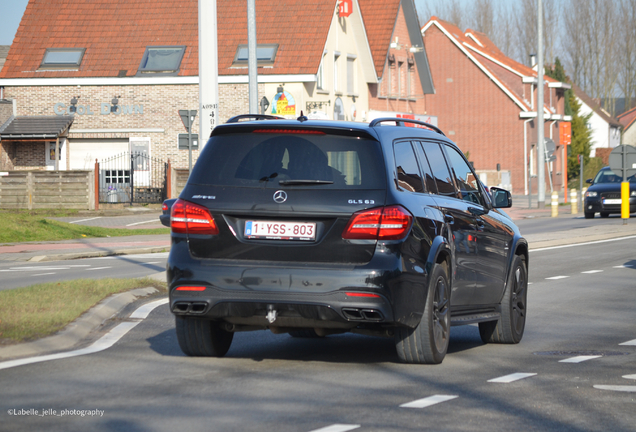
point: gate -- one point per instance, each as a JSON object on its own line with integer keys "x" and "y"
{"x": 132, "y": 178}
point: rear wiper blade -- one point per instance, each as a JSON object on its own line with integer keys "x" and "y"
{"x": 304, "y": 182}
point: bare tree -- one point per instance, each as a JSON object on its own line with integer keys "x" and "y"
{"x": 526, "y": 21}
{"x": 592, "y": 51}
{"x": 451, "y": 11}
{"x": 627, "y": 49}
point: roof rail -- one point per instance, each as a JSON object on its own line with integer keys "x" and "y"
{"x": 401, "y": 121}
{"x": 237, "y": 118}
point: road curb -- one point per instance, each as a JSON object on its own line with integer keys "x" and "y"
{"x": 80, "y": 329}
{"x": 78, "y": 255}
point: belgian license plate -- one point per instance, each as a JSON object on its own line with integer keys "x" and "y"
{"x": 274, "y": 230}
{"x": 612, "y": 201}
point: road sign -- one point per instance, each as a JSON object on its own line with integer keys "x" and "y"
{"x": 622, "y": 160}
{"x": 187, "y": 117}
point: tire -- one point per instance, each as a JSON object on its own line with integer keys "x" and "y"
{"x": 509, "y": 328}
{"x": 428, "y": 342}
{"x": 604, "y": 214}
{"x": 589, "y": 215}
{"x": 202, "y": 338}
{"x": 305, "y": 333}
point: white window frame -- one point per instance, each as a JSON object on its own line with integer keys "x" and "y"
{"x": 336, "y": 81}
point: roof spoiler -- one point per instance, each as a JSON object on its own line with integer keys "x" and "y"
{"x": 238, "y": 118}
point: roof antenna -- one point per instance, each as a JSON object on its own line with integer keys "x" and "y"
{"x": 302, "y": 117}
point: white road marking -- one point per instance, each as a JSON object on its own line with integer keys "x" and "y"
{"x": 139, "y": 223}
{"x": 80, "y": 265}
{"x": 426, "y": 402}
{"x": 631, "y": 342}
{"x": 98, "y": 268}
{"x": 105, "y": 342}
{"x": 557, "y": 277}
{"x": 151, "y": 262}
{"x": 579, "y": 359}
{"x": 582, "y": 244}
{"x": 618, "y": 388}
{"x": 40, "y": 268}
{"x": 629, "y": 377}
{"x": 143, "y": 311}
{"x": 624, "y": 266}
{"x": 592, "y": 271}
{"x": 84, "y": 220}
{"x": 512, "y": 377}
{"x": 44, "y": 274}
{"x": 337, "y": 428}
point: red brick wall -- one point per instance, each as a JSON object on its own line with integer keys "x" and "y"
{"x": 475, "y": 113}
{"x": 384, "y": 96}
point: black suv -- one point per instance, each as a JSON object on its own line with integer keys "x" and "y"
{"x": 315, "y": 228}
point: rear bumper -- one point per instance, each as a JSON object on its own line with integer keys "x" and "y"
{"x": 314, "y": 296}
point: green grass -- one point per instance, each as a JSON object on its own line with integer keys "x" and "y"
{"x": 28, "y": 226}
{"x": 44, "y": 309}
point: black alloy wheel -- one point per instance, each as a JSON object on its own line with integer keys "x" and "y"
{"x": 428, "y": 342}
{"x": 510, "y": 327}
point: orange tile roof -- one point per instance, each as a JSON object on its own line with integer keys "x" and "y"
{"x": 115, "y": 34}
{"x": 379, "y": 20}
{"x": 628, "y": 118}
{"x": 594, "y": 106}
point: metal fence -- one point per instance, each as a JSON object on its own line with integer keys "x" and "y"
{"x": 132, "y": 178}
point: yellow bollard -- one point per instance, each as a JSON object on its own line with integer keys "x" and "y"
{"x": 555, "y": 204}
{"x": 625, "y": 202}
{"x": 573, "y": 201}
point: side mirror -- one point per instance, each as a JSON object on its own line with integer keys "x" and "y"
{"x": 588, "y": 181}
{"x": 501, "y": 198}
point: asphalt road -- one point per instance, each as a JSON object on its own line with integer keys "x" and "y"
{"x": 21, "y": 274}
{"x": 566, "y": 222}
{"x": 580, "y": 304}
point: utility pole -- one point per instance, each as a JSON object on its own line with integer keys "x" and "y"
{"x": 540, "y": 125}
{"x": 251, "y": 56}
{"x": 208, "y": 70}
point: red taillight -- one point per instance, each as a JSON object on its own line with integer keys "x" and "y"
{"x": 190, "y": 218}
{"x": 383, "y": 223}
{"x": 191, "y": 288}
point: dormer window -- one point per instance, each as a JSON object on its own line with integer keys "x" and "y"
{"x": 164, "y": 60}
{"x": 62, "y": 58}
{"x": 265, "y": 55}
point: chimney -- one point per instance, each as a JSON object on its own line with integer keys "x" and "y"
{"x": 533, "y": 60}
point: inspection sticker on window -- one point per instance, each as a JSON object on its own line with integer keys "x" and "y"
{"x": 273, "y": 230}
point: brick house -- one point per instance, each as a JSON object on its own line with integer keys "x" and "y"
{"x": 486, "y": 102}
{"x": 399, "y": 59}
{"x": 628, "y": 122}
{"x": 123, "y": 71}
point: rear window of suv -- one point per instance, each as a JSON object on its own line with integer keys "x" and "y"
{"x": 264, "y": 159}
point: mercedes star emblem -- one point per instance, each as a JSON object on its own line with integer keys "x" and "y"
{"x": 280, "y": 196}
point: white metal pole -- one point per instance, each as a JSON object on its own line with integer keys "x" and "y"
{"x": 208, "y": 70}
{"x": 540, "y": 125}
{"x": 251, "y": 56}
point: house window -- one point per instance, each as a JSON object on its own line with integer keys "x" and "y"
{"x": 320, "y": 78}
{"x": 351, "y": 89}
{"x": 265, "y": 55}
{"x": 336, "y": 86}
{"x": 161, "y": 60}
{"x": 62, "y": 58}
{"x": 409, "y": 78}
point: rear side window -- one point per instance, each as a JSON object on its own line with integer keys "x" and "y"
{"x": 464, "y": 178}
{"x": 407, "y": 171}
{"x": 264, "y": 159}
{"x": 441, "y": 174}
